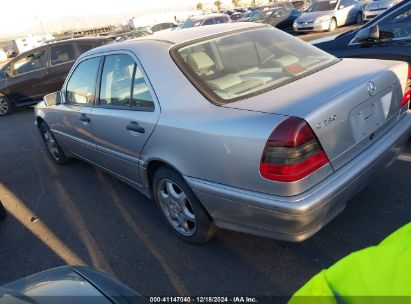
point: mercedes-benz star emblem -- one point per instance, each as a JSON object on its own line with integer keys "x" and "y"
{"x": 372, "y": 88}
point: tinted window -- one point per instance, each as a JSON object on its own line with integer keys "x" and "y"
{"x": 209, "y": 21}
{"x": 62, "y": 53}
{"x": 142, "y": 98}
{"x": 82, "y": 84}
{"x": 3, "y": 74}
{"x": 323, "y": 6}
{"x": 233, "y": 66}
{"x": 221, "y": 20}
{"x": 397, "y": 25}
{"x": 29, "y": 63}
{"x": 116, "y": 80}
{"x": 84, "y": 47}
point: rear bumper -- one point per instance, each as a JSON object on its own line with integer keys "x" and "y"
{"x": 297, "y": 218}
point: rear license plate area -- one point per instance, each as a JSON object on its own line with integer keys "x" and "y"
{"x": 370, "y": 115}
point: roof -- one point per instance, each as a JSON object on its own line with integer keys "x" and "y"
{"x": 188, "y": 34}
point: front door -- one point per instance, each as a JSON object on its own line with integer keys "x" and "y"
{"x": 74, "y": 125}
{"x": 124, "y": 117}
{"x": 28, "y": 72}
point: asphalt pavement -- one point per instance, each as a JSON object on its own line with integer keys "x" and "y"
{"x": 76, "y": 214}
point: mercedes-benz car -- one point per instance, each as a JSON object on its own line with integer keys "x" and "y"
{"x": 238, "y": 126}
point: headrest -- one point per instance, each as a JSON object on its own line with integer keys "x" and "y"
{"x": 200, "y": 61}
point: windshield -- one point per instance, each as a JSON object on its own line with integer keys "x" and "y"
{"x": 190, "y": 23}
{"x": 233, "y": 66}
{"x": 261, "y": 15}
{"x": 322, "y": 6}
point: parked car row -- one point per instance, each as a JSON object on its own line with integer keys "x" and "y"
{"x": 28, "y": 77}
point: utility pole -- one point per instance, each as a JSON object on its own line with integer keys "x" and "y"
{"x": 41, "y": 25}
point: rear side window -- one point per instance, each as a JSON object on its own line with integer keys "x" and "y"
{"x": 84, "y": 47}
{"x": 233, "y": 66}
{"x": 142, "y": 98}
{"x": 123, "y": 85}
{"x": 116, "y": 81}
{"x": 209, "y": 21}
{"x": 82, "y": 84}
{"x": 62, "y": 53}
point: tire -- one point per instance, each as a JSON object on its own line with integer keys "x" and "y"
{"x": 6, "y": 106}
{"x": 52, "y": 146}
{"x": 333, "y": 25}
{"x": 358, "y": 19}
{"x": 180, "y": 208}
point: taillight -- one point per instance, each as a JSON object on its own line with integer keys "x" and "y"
{"x": 406, "y": 98}
{"x": 292, "y": 152}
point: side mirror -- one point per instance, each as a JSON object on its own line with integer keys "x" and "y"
{"x": 52, "y": 99}
{"x": 368, "y": 34}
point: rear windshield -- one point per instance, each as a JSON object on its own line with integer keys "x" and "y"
{"x": 234, "y": 66}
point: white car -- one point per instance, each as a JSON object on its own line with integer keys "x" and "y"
{"x": 328, "y": 15}
{"x": 376, "y": 7}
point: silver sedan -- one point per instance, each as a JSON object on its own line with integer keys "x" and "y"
{"x": 238, "y": 126}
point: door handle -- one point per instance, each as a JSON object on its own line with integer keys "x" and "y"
{"x": 135, "y": 127}
{"x": 84, "y": 118}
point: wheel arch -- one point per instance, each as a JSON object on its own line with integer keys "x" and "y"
{"x": 152, "y": 166}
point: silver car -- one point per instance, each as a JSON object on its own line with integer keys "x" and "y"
{"x": 376, "y": 7}
{"x": 327, "y": 15}
{"x": 238, "y": 126}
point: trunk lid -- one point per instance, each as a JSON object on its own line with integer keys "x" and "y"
{"x": 348, "y": 105}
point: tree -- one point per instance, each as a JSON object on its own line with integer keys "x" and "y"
{"x": 236, "y": 3}
{"x": 218, "y": 3}
{"x": 200, "y": 6}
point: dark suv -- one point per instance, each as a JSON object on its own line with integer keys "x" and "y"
{"x": 27, "y": 78}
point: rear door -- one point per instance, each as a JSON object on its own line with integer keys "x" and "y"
{"x": 29, "y": 72}
{"x": 125, "y": 115}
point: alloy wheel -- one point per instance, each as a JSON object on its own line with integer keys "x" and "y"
{"x": 4, "y": 106}
{"x": 51, "y": 143}
{"x": 176, "y": 207}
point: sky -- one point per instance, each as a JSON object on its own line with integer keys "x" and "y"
{"x": 20, "y": 15}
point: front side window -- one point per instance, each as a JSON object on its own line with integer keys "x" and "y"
{"x": 62, "y": 54}
{"x": 82, "y": 84}
{"x": 116, "y": 81}
{"x": 32, "y": 62}
{"x": 397, "y": 25}
{"x": 234, "y": 66}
